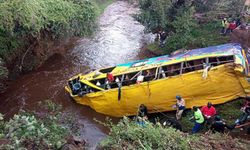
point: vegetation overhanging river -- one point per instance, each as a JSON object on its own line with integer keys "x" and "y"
{"x": 118, "y": 40}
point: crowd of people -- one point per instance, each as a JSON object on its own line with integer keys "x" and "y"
{"x": 229, "y": 26}
{"x": 206, "y": 116}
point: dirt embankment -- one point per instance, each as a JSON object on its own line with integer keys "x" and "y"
{"x": 35, "y": 54}
{"x": 242, "y": 36}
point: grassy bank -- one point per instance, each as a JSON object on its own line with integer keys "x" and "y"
{"x": 229, "y": 112}
{"x": 128, "y": 134}
{"x": 203, "y": 35}
{"x": 102, "y": 5}
{"x": 31, "y": 33}
{"x": 50, "y": 129}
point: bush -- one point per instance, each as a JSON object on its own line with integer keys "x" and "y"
{"x": 43, "y": 131}
{"x": 23, "y": 130}
{"x": 177, "y": 19}
{"x": 154, "y": 14}
{"x": 25, "y": 17}
{"x": 173, "y": 17}
{"x": 129, "y": 135}
{"x": 182, "y": 26}
{"x": 24, "y": 21}
{"x": 219, "y": 6}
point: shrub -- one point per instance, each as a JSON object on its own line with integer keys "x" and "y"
{"x": 129, "y": 135}
{"x": 174, "y": 17}
{"x": 42, "y": 131}
{"x": 24, "y": 21}
{"x": 26, "y": 130}
{"x": 22, "y": 17}
{"x": 182, "y": 26}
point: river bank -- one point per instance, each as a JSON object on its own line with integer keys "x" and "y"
{"x": 26, "y": 46}
{"x": 117, "y": 40}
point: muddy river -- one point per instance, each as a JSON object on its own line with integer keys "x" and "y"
{"x": 118, "y": 40}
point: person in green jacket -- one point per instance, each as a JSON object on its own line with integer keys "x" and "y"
{"x": 224, "y": 24}
{"x": 198, "y": 119}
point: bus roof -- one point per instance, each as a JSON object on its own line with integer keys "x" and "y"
{"x": 213, "y": 51}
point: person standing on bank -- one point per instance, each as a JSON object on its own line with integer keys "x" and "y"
{"x": 143, "y": 112}
{"x": 142, "y": 115}
{"x": 180, "y": 105}
{"x": 225, "y": 25}
{"x": 208, "y": 112}
{"x": 198, "y": 120}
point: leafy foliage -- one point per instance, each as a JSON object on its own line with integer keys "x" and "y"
{"x": 177, "y": 18}
{"x": 207, "y": 35}
{"x": 26, "y": 128}
{"x": 129, "y": 135}
{"x": 3, "y": 70}
{"x": 219, "y": 6}
{"x": 202, "y": 35}
{"x": 102, "y": 4}
{"x": 174, "y": 17}
{"x": 23, "y": 22}
{"x": 182, "y": 27}
{"x": 70, "y": 17}
{"x": 3, "y": 74}
{"x": 154, "y": 13}
{"x": 47, "y": 131}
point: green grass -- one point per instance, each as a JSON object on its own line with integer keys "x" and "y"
{"x": 230, "y": 111}
{"x": 154, "y": 47}
{"x": 207, "y": 35}
{"x": 102, "y": 5}
{"x": 202, "y": 36}
{"x": 187, "y": 125}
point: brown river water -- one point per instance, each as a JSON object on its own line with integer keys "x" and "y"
{"x": 118, "y": 40}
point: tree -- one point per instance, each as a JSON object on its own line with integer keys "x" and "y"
{"x": 228, "y": 6}
{"x": 154, "y": 14}
{"x": 26, "y": 22}
{"x": 30, "y": 19}
{"x": 172, "y": 16}
{"x": 182, "y": 25}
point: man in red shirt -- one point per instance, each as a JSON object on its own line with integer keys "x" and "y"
{"x": 232, "y": 26}
{"x": 208, "y": 112}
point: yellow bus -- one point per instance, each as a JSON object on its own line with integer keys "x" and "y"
{"x": 217, "y": 74}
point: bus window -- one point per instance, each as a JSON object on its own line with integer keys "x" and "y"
{"x": 198, "y": 64}
{"x": 107, "y": 70}
{"x": 214, "y": 61}
{"x": 174, "y": 69}
{"x": 149, "y": 74}
{"x": 130, "y": 78}
{"x": 188, "y": 66}
{"x": 226, "y": 59}
{"x": 161, "y": 72}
